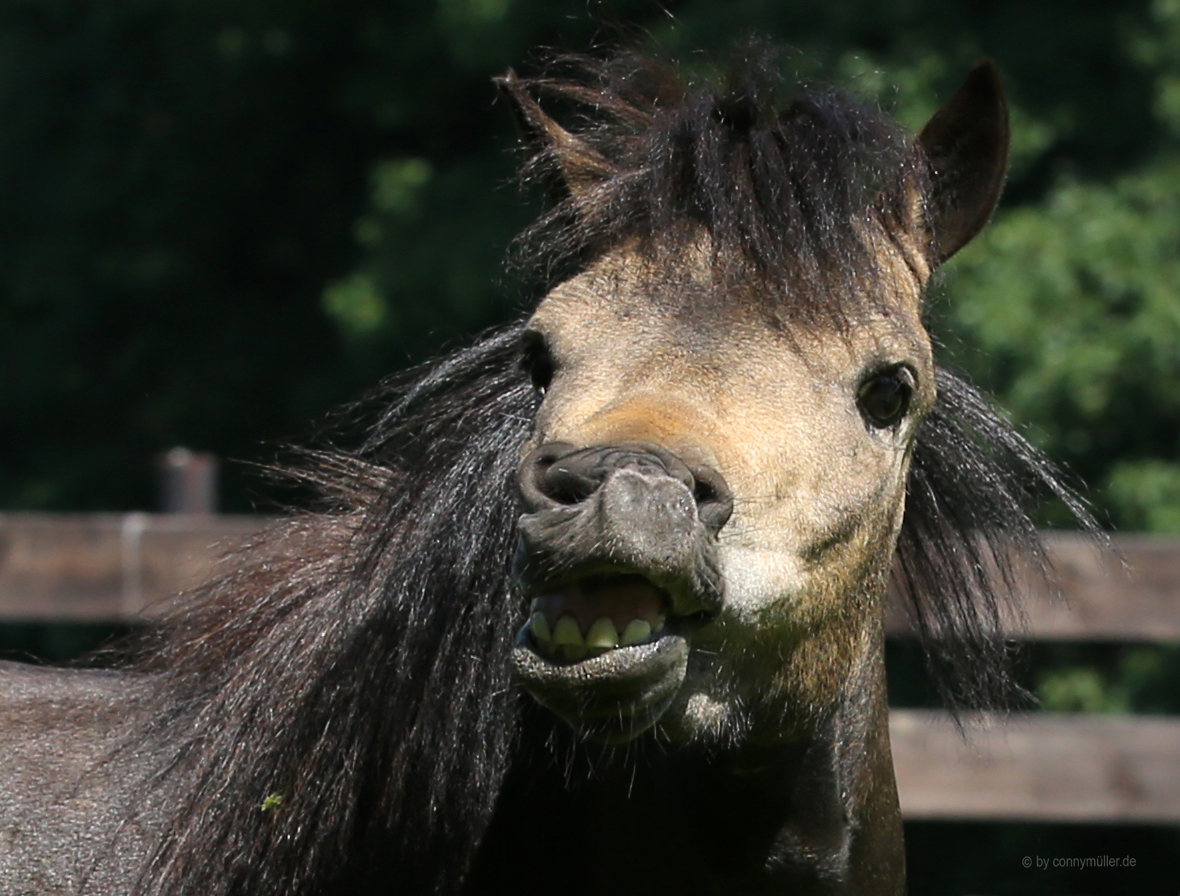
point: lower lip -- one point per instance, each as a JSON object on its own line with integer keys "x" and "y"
{"x": 612, "y": 697}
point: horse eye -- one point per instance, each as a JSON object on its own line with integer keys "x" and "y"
{"x": 536, "y": 360}
{"x": 885, "y": 396}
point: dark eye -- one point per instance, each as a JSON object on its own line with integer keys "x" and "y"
{"x": 885, "y": 396}
{"x": 536, "y": 360}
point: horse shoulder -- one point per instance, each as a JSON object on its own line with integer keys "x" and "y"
{"x": 61, "y": 796}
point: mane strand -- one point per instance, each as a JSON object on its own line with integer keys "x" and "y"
{"x": 966, "y": 534}
{"x": 348, "y": 686}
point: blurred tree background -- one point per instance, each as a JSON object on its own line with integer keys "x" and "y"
{"x": 220, "y": 220}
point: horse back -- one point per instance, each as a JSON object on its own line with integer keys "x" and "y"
{"x": 64, "y": 787}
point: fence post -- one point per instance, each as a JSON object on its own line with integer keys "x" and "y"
{"x": 188, "y": 481}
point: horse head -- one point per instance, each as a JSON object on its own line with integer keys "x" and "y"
{"x": 729, "y": 391}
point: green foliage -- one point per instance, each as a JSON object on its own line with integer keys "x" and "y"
{"x": 223, "y": 219}
{"x": 1070, "y": 312}
{"x": 1147, "y": 492}
{"x": 1128, "y": 679}
{"x": 1080, "y": 690}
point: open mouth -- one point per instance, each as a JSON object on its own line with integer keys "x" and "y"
{"x": 597, "y": 614}
{"x": 606, "y": 652}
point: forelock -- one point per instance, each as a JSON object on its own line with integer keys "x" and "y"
{"x": 799, "y": 187}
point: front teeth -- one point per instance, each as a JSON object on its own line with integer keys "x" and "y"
{"x": 636, "y": 632}
{"x": 565, "y": 638}
{"x": 566, "y": 632}
{"x": 540, "y": 626}
{"x": 602, "y": 634}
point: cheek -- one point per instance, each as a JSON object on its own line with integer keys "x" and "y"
{"x": 809, "y": 522}
{"x": 800, "y": 477}
{"x": 786, "y": 591}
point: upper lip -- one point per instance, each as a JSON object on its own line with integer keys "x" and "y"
{"x": 689, "y": 593}
{"x": 671, "y": 549}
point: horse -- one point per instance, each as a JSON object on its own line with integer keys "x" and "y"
{"x": 597, "y": 602}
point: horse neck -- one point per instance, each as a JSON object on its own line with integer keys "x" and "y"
{"x": 816, "y": 815}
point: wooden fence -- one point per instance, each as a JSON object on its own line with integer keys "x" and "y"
{"x": 1030, "y": 766}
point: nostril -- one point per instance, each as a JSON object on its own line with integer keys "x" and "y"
{"x": 713, "y": 497}
{"x": 567, "y": 484}
{"x": 704, "y": 492}
{"x": 558, "y": 474}
{"x": 535, "y": 476}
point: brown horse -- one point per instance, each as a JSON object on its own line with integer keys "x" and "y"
{"x": 667, "y": 506}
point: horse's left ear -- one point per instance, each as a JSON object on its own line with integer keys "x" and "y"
{"x": 965, "y": 146}
{"x": 577, "y": 166}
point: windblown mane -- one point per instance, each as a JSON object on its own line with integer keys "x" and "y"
{"x": 347, "y": 686}
{"x": 786, "y": 182}
{"x": 967, "y": 533}
{"x": 348, "y": 683}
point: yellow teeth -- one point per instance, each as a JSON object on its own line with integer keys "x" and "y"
{"x": 602, "y": 634}
{"x": 540, "y": 626}
{"x": 565, "y": 640}
{"x": 636, "y": 632}
{"x": 567, "y": 633}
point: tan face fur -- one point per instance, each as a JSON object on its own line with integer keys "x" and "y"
{"x": 661, "y": 351}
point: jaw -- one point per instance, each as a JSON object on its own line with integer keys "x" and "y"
{"x": 780, "y": 649}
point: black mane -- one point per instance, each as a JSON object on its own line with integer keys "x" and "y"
{"x": 347, "y": 686}
{"x": 968, "y": 532}
{"x": 786, "y": 180}
{"x": 349, "y": 683}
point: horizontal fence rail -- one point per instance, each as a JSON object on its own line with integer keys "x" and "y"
{"x": 113, "y": 567}
{"x": 1037, "y": 767}
{"x": 1034, "y": 766}
{"x": 108, "y": 567}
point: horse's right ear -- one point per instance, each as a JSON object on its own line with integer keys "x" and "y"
{"x": 576, "y": 165}
{"x": 965, "y": 146}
